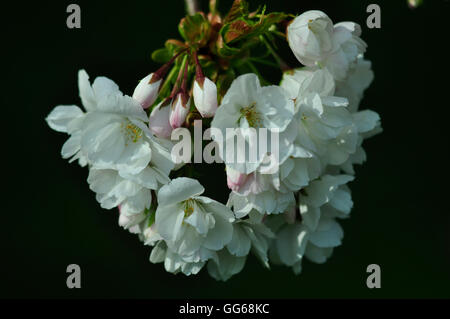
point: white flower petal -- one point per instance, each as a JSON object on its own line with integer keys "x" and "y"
{"x": 60, "y": 117}
{"x": 178, "y": 190}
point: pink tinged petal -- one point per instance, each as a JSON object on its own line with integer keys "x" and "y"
{"x": 146, "y": 91}
{"x": 179, "y": 111}
{"x": 235, "y": 179}
{"x": 159, "y": 121}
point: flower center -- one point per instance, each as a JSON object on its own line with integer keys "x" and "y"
{"x": 188, "y": 208}
{"x": 131, "y": 131}
{"x": 251, "y": 115}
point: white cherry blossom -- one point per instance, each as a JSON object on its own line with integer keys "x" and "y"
{"x": 192, "y": 225}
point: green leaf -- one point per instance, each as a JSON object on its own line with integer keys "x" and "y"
{"x": 174, "y": 46}
{"x": 236, "y": 29}
{"x": 242, "y": 33}
{"x": 239, "y": 9}
{"x": 224, "y": 50}
{"x": 161, "y": 55}
{"x": 195, "y": 29}
{"x": 242, "y": 29}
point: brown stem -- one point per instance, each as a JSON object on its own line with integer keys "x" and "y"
{"x": 199, "y": 76}
{"x": 184, "y": 83}
{"x": 161, "y": 72}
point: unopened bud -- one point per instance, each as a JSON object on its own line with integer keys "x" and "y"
{"x": 179, "y": 110}
{"x": 205, "y": 96}
{"x": 146, "y": 91}
{"x": 159, "y": 121}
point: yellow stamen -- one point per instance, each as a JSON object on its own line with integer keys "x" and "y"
{"x": 251, "y": 115}
{"x": 132, "y": 132}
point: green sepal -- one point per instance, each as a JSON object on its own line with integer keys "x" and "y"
{"x": 151, "y": 215}
{"x": 195, "y": 29}
{"x": 162, "y": 55}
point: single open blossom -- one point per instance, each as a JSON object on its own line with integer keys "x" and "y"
{"x": 205, "y": 96}
{"x": 315, "y": 41}
{"x": 247, "y": 106}
{"x": 131, "y": 192}
{"x": 159, "y": 121}
{"x": 310, "y": 37}
{"x": 326, "y": 127}
{"x": 146, "y": 91}
{"x": 226, "y": 265}
{"x": 318, "y": 233}
{"x": 274, "y": 193}
{"x": 263, "y": 193}
{"x": 326, "y": 199}
{"x": 69, "y": 118}
{"x": 112, "y": 133}
{"x": 327, "y": 195}
{"x": 179, "y": 110}
{"x": 348, "y": 47}
{"x": 301, "y": 167}
{"x": 192, "y": 225}
{"x": 173, "y": 262}
{"x": 289, "y": 246}
{"x": 250, "y": 234}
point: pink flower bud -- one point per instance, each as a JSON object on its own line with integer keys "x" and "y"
{"x": 205, "y": 96}
{"x": 146, "y": 91}
{"x": 159, "y": 121}
{"x": 179, "y": 110}
{"x": 235, "y": 179}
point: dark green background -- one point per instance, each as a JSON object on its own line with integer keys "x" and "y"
{"x": 51, "y": 219}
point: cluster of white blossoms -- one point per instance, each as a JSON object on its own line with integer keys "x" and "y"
{"x": 282, "y": 214}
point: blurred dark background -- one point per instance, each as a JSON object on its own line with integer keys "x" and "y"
{"x": 50, "y": 218}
